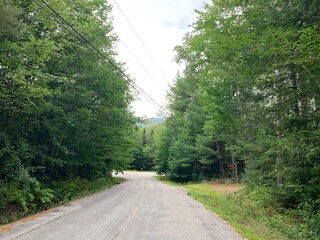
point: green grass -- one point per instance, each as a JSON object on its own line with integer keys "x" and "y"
{"x": 249, "y": 217}
{"x": 165, "y": 180}
{"x": 244, "y": 216}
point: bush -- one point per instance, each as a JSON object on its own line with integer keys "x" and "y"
{"x": 18, "y": 199}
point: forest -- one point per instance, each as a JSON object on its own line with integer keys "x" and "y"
{"x": 249, "y": 96}
{"x": 64, "y": 115}
{"x": 245, "y": 107}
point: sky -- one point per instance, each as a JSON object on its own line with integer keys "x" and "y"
{"x": 161, "y": 25}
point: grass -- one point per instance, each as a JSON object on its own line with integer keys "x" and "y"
{"x": 247, "y": 216}
{"x": 244, "y": 217}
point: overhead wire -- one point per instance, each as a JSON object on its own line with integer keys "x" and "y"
{"x": 140, "y": 63}
{"x": 142, "y": 43}
{"x": 107, "y": 61}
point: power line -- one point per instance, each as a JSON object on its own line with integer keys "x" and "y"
{"x": 107, "y": 61}
{"x": 142, "y": 43}
{"x": 140, "y": 63}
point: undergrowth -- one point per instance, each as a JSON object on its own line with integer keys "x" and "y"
{"x": 16, "y": 203}
{"x": 252, "y": 213}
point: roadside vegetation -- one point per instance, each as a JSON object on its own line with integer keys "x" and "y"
{"x": 251, "y": 215}
{"x": 49, "y": 195}
{"x": 246, "y": 107}
{"x": 250, "y": 212}
{"x": 64, "y": 115}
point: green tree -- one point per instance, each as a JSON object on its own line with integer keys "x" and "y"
{"x": 145, "y": 149}
{"x": 64, "y": 113}
{"x": 249, "y": 93}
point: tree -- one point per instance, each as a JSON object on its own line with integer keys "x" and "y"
{"x": 64, "y": 113}
{"x": 145, "y": 149}
{"x": 249, "y": 93}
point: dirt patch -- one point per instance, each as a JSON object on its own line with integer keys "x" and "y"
{"x": 224, "y": 187}
{"x": 7, "y": 227}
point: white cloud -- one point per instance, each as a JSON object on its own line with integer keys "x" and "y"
{"x": 161, "y": 25}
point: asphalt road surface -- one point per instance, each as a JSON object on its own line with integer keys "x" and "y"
{"x": 140, "y": 208}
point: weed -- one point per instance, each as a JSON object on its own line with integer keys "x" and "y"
{"x": 250, "y": 212}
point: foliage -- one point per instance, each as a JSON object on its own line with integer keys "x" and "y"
{"x": 63, "y": 113}
{"x": 24, "y": 196}
{"x": 18, "y": 202}
{"x": 145, "y": 146}
{"x": 249, "y": 94}
{"x": 252, "y": 213}
{"x": 74, "y": 188}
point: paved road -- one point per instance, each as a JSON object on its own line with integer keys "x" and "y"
{"x": 139, "y": 209}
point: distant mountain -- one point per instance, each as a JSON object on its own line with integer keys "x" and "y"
{"x": 156, "y": 119}
{"x": 150, "y": 121}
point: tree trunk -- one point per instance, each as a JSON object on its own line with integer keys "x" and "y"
{"x": 294, "y": 86}
{"x": 221, "y": 168}
{"x": 235, "y": 168}
{"x": 278, "y": 159}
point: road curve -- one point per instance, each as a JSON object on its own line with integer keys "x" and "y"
{"x": 139, "y": 209}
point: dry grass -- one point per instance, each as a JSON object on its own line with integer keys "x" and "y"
{"x": 224, "y": 187}
{"x": 7, "y": 227}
